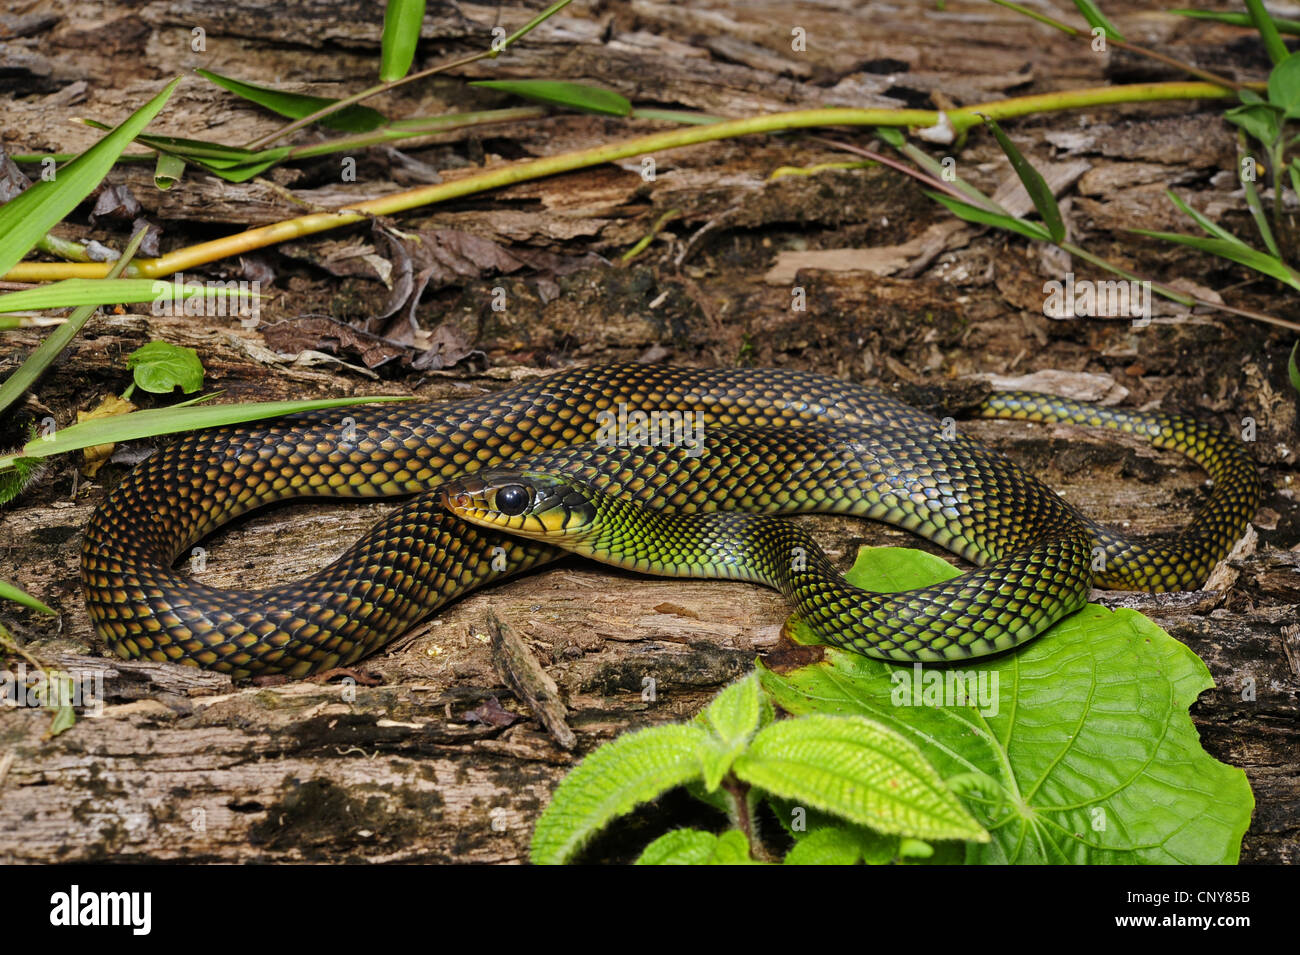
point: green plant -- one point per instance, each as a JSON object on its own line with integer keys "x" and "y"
{"x": 851, "y": 770}
{"x": 1075, "y": 748}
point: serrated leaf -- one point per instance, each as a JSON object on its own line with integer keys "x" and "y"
{"x": 614, "y": 779}
{"x": 28, "y": 216}
{"x": 830, "y": 845}
{"x": 1292, "y": 370}
{"x": 964, "y": 210}
{"x": 1088, "y": 737}
{"x": 732, "y": 718}
{"x": 680, "y": 847}
{"x": 402, "y": 20}
{"x": 1039, "y": 191}
{"x": 1096, "y": 19}
{"x": 859, "y": 770}
{"x": 15, "y": 593}
{"x": 350, "y": 119}
{"x": 589, "y": 99}
{"x": 732, "y": 848}
{"x": 159, "y": 367}
{"x": 1235, "y": 251}
{"x": 1284, "y": 86}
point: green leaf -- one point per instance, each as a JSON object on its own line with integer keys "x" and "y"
{"x": 1097, "y": 19}
{"x": 591, "y": 99}
{"x": 1238, "y": 19}
{"x": 160, "y": 367}
{"x": 732, "y": 848}
{"x": 964, "y": 210}
{"x": 402, "y": 20}
{"x": 72, "y": 292}
{"x": 1284, "y": 86}
{"x": 890, "y": 136}
{"x": 1292, "y": 370}
{"x": 859, "y": 770}
{"x": 350, "y": 119}
{"x": 13, "y": 387}
{"x": 153, "y": 422}
{"x": 680, "y": 847}
{"x": 837, "y": 845}
{"x": 168, "y": 171}
{"x": 15, "y": 593}
{"x": 614, "y": 779}
{"x": 1260, "y": 120}
{"x": 1277, "y": 51}
{"x": 1205, "y": 223}
{"x": 1235, "y": 251}
{"x": 732, "y": 718}
{"x": 1087, "y": 735}
{"x": 28, "y": 216}
{"x": 1039, "y": 191}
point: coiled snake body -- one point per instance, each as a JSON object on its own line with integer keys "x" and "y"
{"x": 775, "y": 441}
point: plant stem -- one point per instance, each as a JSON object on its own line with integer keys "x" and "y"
{"x": 203, "y": 253}
{"x": 489, "y": 54}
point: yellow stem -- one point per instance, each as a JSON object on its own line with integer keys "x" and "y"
{"x": 960, "y": 119}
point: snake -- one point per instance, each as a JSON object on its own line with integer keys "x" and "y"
{"x": 672, "y": 470}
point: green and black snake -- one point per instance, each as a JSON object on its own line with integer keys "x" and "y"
{"x": 774, "y": 441}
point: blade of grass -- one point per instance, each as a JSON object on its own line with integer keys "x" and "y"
{"x": 402, "y": 19}
{"x": 1292, "y": 369}
{"x": 590, "y": 99}
{"x": 153, "y": 422}
{"x": 1205, "y": 223}
{"x": 17, "y": 384}
{"x": 1238, "y": 19}
{"x": 15, "y": 593}
{"x": 1039, "y": 191}
{"x": 27, "y": 217}
{"x": 97, "y": 292}
{"x": 1277, "y": 51}
{"x": 1097, "y": 20}
{"x": 1235, "y": 251}
{"x": 351, "y": 119}
{"x": 964, "y": 210}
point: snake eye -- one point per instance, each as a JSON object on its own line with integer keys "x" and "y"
{"x": 512, "y": 499}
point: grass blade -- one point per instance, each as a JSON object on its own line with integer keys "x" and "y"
{"x": 1235, "y": 251}
{"x": 15, "y": 593}
{"x": 1293, "y": 370}
{"x": 1097, "y": 20}
{"x": 402, "y": 19}
{"x": 27, "y": 217}
{"x": 1039, "y": 191}
{"x": 964, "y": 210}
{"x": 96, "y": 292}
{"x": 1238, "y": 19}
{"x": 353, "y": 119}
{"x": 153, "y": 422}
{"x": 589, "y": 99}
{"x": 1209, "y": 226}
{"x": 16, "y": 384}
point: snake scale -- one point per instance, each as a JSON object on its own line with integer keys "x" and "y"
{"x": 775, "y": 441}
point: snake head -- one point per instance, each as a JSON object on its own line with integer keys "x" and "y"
{"x": 529, "y": 504}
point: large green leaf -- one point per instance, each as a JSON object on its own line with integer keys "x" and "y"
{"x": 860, "y": 770}
{"x": 1084, "y": 754}
{"x": 615, "y": 779}
{"x": 350, "y": 119}
{"x": 1284, "y": 86}
{"x": 27, "y": 217}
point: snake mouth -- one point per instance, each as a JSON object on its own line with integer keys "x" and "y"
{"x": 540, "y": 506}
